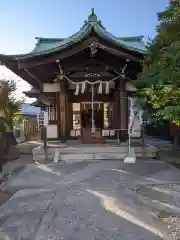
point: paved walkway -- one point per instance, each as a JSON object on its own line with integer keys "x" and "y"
{"x": 15, "y": 166}
{"x": 102, "y": 200}
{"x": 159, "y": 143}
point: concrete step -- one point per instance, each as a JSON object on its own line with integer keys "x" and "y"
{"x": 27, "y": 147}
{"x": 90, "y": 153}
{"x": 93, "y": 157}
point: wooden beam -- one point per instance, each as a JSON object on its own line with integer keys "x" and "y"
{"x": 106, "y": 63}
{"x": 34, "y": 77}
{"x": 118, "y": 53}
{"x": 94, "y": 78}
{"x": 88, "y": 69}
{"x": 92, "y": 69}
{"x": 91, "y": 65}
{"x": 85, "y": 63}
{"x": 32, "y": 62}
{"x": 93, "y": 62}
{"x": 13, "y": 66}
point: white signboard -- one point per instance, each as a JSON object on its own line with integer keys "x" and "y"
{"x": 43, "y": 119}
{"x": 46, "y": 119}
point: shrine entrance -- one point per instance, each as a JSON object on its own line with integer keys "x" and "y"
{"x": 88, "y": 113}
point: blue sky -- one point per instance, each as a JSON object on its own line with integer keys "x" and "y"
{"x": 23, "y": 20}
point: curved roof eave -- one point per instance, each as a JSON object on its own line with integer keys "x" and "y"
{"x": 66, "y": 42}
{"x": 62, "y": 44}
{"x": 121, "y": 43}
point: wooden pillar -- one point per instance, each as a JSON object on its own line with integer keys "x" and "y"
{"x": 123, "y": 110}
{"x": 58, "y": 114}
{"x": 117, "y": 109}
{"x": 67, "y": 132}
{"x": 63, "y": 110}
{"x": 70, "y": 117}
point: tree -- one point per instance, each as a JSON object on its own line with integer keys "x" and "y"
{"x": 158, "y": 86}
{"x": 9, "y": 113}
{"x": 11, "y": 106}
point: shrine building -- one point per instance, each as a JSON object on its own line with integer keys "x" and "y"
{"x": 85, "y": 82}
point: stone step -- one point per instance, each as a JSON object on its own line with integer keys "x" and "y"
{"x": 88, "y": 149}
{"x": 89, "y": 153}
{"x": 93, "y": 156}
{"x": 27, "y": 147}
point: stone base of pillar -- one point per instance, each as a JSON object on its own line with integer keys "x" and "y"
{"x": 87, "y": 137}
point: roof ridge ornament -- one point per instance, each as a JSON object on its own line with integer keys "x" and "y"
{"x": 92, "y": 16}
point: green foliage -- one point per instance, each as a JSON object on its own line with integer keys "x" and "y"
{"x": 169, "y": 23}
{"x": 11, "y": 105}
{"x": 159, "y": 83}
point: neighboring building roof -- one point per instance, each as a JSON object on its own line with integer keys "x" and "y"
{"x": 33, "y": 92}
{"x": 38, "y": 103}
{"x": 50, "y": 45}
{"x": 28, "y": 109}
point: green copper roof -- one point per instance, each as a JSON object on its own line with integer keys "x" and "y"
{"x": 50, "y": 45}
{"x": 46, "y": 43}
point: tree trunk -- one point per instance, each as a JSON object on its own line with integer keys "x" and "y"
{"x": 8, "y": 150}
{"x": 176, "y": 140}
{"x": 175, "y": 134}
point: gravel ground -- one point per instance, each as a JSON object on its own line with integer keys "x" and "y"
{"x": 103, "y": 200}
{"x": 173, "y": 225}
{"x": 10, "y": 170}
{"x": 5, "y": 195}
{"x": 165, "y": 200}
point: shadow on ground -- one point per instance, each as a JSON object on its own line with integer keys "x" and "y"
{"x": 106, "y": 200}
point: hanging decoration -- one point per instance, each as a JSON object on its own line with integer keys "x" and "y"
{"x": 107, "y": 87}
{"x": 83, "y": 84}
{"x": 100, "y": 88}
{"x": 77, "y": 89}
{"x": 83, "y": 87}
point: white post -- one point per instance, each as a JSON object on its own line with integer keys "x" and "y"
{"x": 129, "y": 144}
{"x": 131, "y": 158}
{"x": 92, "y": 107}
{"x": 129, "y": 125}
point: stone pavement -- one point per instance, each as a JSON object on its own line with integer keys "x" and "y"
{"x": 10, "y": 169}
{"x": 86, "y": 200}
{"x": 22, "y": 161}
{"x": 169, "y": 155}
{"x": 15, "y": 166}
{"x": 159, "y": 143}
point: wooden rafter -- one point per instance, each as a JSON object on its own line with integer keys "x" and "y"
{"x": 34, "y": 77}
{"x": 118, "y": 53}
